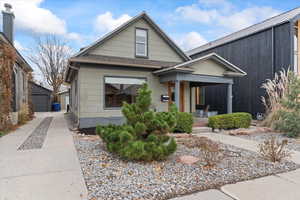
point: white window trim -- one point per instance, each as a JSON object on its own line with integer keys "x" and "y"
{"x": 144, "y": 43}
{"x": 107, "y": 77}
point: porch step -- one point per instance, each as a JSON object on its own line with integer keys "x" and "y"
{"x": 201, "y": 130}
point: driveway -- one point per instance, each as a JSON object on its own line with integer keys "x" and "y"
{"x": 39, "y": 162}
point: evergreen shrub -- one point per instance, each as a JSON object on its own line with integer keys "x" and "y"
{"x": 143, "y": 136}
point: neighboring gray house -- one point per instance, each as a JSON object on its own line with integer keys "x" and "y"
{"x": 21, "y": 68}
{"x": 41, "y": 98}
{"x": 64, "y": 99}
{"x": 261, "y": 50}
{"x": 109, "y": 71}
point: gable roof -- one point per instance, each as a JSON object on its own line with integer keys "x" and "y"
{"x": 20, "y": 58}
{"x": 146, "y": 17}
{"x": 113, "y": 60}
{"x": 183, "y": 66}
{"x": 42, "y": 87}
{"x": 276, "y": 20}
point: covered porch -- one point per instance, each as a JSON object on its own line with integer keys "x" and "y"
{"x": 187, "y": 91}
{"x": 187, "y": 82}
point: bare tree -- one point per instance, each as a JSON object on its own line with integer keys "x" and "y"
{"x": 50, "y": 54}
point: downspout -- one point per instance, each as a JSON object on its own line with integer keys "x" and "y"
{"x": 190, "y": 97}
{"x": 273, "y": 53}
{"x": 292, "y": 52}
{"x": 78, "y": 99}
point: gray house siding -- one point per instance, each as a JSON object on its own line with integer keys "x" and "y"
{"x": 123, "y": 45}
{"x": 74, "y": 93}
{"x": 91, "y": 99}
{"x": 255, "y": 56}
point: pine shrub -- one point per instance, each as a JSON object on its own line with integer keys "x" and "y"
{"x": 143, "y": 137}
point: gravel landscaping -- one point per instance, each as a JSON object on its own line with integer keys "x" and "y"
{"x": 293, "y": 144}
{"x": 108, "y": 177}
{"x": 36, "y": 139}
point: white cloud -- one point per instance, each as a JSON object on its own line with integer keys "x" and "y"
{"x": 19, "y": 46}
{"x": 106, "y": 22}
{"x": 74, "y": 36}
{"x": 190, "y": 40}
{"x": 224, "y": 4}
{"x": 198, "y": 15}
{"x": 31, "y": 17}
{"x": 247, "y": 17}
{"x": 225, "y": 14}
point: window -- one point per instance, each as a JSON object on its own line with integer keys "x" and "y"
{"x": 141, "y": 42}
{"x": 120, "y": 89}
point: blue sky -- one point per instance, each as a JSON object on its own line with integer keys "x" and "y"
{"x": 189, "y": 22}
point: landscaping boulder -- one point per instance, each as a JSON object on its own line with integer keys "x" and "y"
{"x": 188, "y": 160}
{"x": 249, "y": 131}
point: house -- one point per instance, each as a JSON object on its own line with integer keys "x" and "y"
{"x": 110, "y": 70}
{"x": 260, "y": 50}
{"x": 64, "y": 99}
{"x": 41, "y": 98}
{"x": 21, "y": 68}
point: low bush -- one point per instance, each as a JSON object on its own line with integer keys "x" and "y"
{"x": 230, "y": 121}
{"x": 274, "y": 150}
{"x": 143, "y": 137}
{"x": 184, "y": 122}
{"x": 212, "y": 153}
{"x": 1, "y": 134}
{"x": 23, "y": 115}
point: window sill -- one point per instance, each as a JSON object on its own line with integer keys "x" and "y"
{"x": 144, "y": 57}
{"x": 112, "y": 108}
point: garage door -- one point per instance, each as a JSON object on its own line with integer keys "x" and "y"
{"x": 40, "y": 103}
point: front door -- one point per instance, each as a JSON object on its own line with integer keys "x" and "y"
{"x": 171, "y": 94}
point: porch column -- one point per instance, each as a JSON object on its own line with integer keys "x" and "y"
{"x": 229, "y": 98}
{"x": 177, "y": 93}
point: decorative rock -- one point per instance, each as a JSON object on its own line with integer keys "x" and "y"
{"x": 110, "y": 178}
{"x": 189, "y": 160}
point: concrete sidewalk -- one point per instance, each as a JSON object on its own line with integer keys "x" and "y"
{"x": 51, "y": 172}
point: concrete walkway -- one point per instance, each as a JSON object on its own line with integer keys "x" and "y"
{"x": 283, "y": 186}
{"x": 51, "y": 172}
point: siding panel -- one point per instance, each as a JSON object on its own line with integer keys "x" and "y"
{"x": 92, "y": 89}
{"x": 123, "y": 45}
{"x": 253, "y": 54}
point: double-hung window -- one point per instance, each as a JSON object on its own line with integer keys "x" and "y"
{"x": 141, "y": 42}
{"x": 121, "y": 89}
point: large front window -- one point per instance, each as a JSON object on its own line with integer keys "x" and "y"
{"x": 120, "y": 89}
{"x": 141, "y": 40}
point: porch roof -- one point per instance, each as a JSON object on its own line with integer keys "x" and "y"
{"x": 183, "y": 76}
{"x": 186, "y": 67}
